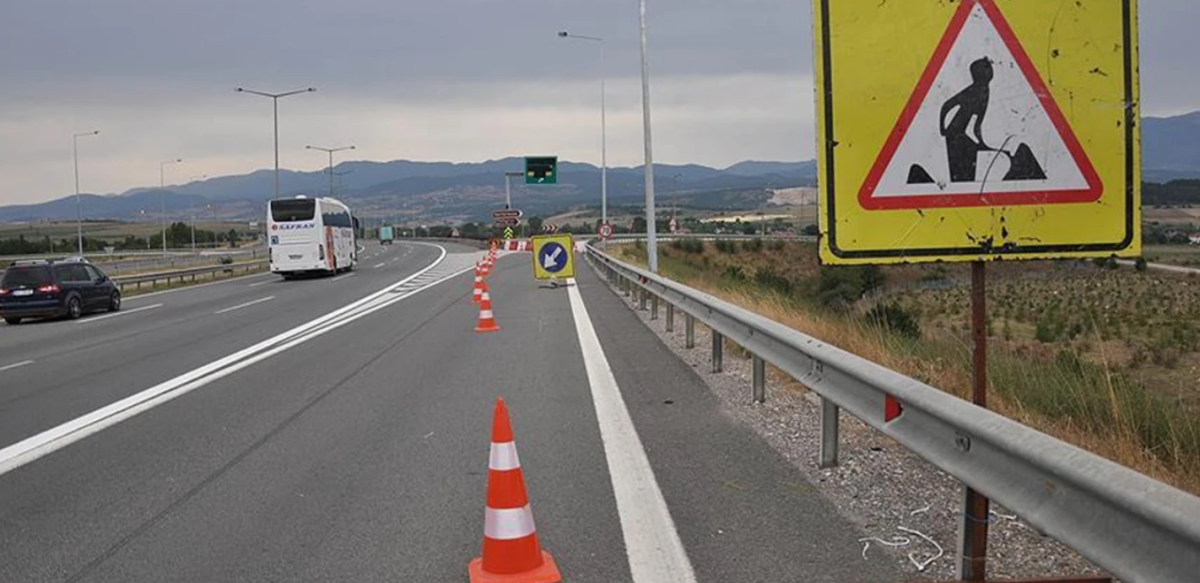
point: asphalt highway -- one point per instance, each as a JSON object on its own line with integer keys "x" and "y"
{"x": 337, "y": 429}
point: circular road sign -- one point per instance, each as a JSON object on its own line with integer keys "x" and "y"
{"x": 553, "y": 257}
{"x": 605, "y": 231}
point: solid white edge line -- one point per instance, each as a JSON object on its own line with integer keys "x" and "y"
{"x": 656, "y": 553}
{"x": 343, "y": 276}
{"x": 117, "y": 314}
{"x": 258, "y": 284}
{"x": 245, "y": 305}
{"x": 16, "y": 365}
{"x": 32, "y": 448}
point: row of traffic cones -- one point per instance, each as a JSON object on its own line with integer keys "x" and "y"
{"x": 511, "y": 551}
{"x": 480, "y": 295}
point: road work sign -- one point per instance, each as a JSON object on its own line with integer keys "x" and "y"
{"x": 990, "y": 129}
{"x": 552, "y": 257}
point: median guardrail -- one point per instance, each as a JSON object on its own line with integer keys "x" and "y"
{"x": 1136, "y": 528}
{"x": 184, "y": 274}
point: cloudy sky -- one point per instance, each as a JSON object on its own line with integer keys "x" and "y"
{"x": 462, "y": 80}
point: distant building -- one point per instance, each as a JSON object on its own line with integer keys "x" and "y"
{"x": 1194, "y": 238}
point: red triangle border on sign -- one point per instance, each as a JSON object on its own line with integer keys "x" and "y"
{"x": 1095, "y": 187}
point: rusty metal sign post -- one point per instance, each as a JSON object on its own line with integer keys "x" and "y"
{"x": 973, "y": 530}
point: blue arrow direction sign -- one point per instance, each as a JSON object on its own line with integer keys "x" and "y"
{"x": 553, "y": 257}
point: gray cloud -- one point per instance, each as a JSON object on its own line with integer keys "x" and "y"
{"x": 448, "y": 79}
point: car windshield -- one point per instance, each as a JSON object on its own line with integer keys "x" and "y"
{"x": 26, "y": 277}
{"x": 290, "y": 211}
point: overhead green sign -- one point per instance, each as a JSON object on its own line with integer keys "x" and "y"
{"x": 541, "y": 170}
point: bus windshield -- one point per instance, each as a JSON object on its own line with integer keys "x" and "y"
{"x": 290, "y": 211}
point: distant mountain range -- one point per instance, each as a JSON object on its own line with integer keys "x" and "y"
{"x": 445, "y": 191}
{"x": 427, "y": 191}
{"x": 1171, "y": 147}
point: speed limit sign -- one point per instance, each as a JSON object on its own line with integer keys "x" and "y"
{"x": 605, "y": 231}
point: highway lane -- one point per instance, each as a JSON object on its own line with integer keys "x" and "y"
{"x": 361, "y": 456}
{"x": 78, "y": 366}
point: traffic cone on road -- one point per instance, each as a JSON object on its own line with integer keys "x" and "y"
{"x": 487, "y": 321}
{"x": 477, "y": 295}
{"x": 511, "y": 552}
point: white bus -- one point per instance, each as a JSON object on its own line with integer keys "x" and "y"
{"x": 311, "y": 235}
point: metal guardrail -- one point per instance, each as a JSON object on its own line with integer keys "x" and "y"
{"x": 97, "y": 257}
{"x": 183, "y": 274}
{"x": 1136, "y": 528}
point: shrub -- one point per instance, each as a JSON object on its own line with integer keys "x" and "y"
{"x": 778, "y": 245}
{"x": 768, "y": 278}
{"x": 895, "y": 318}
{"x": 1140, "y": 264}
{"x": 1045, "y": 333}
{"x": 753, "y": 245}
{"x": 725, "y": 246}
{"x": 735, "y": 273}
{"x": 841, "y": 286}
{"x": 693, "y": 246}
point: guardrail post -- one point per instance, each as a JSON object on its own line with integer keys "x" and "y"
{"x": 689, "y": 325}
{"x": 628, "y": 286}
{"x": 760, "y": 380}
{"x": 718, "y": 351}
{"x": 829, "y": 433}
{"x": 670, "y": 317}
{"x": 642, "y": 298}
{"x": 653, "y": 306}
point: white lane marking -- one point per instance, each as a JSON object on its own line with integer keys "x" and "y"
{"x": 260, "y": 283}
{"x": 377, "y": 266}
{"x": 245, "y": 305}
{"x": 351, "y": 274}
{"x": 116, "y": 314}
{"x": 656, "y": 554}
{"x": 51, "y": 440}
{"x": 16, "y": 365}
{"x": 192, "y": 287}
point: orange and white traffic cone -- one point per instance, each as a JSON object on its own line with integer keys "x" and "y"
{"x": 487, "y": 320}
{"x": 511, "y": 552}
{"x": 477, "y": 295}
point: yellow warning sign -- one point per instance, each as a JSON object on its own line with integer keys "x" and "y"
{"x": 553, "y": 256}
{"x": 990, "y": 129}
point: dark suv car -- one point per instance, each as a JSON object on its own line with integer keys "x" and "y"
{"x": 50, "y": 289}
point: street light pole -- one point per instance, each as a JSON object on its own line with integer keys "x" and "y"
{"x": 675, "y": 195}
{"x": 192, "y": 211}
{"x": 275, "y": 101}
{"x": 603, "y": 124}
{"x": 78, "y": 197}
{"x": 651, "y": 235}
{"x": 162, "y": 196}
{"x": 330, "y": 151}
{"x": 508, "y": 187}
